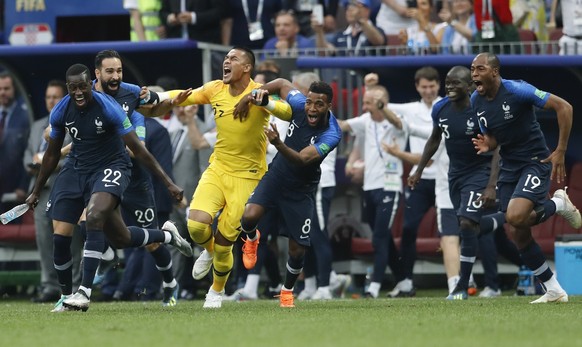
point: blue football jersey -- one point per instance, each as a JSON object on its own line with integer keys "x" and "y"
{"x": 300, "y": 135}
{"x": 458, "y": 128}
{"x": 510, "y": 117}
{"x": 96, "y": 131}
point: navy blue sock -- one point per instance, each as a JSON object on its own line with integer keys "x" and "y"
{"x": 163, "y": 260}
{"x": 545, "y": 211}
{"x": 141, "y": 237}
{"x": 469, "y": 245}
{"x": 492, "y": 222}
{"x": 63, "y": 262}
{"x": 250, "y": 230}
{"x": 92, "y": 256}
{"x": 83, "y": 230}
{"x": 534, "y": 259}
{"x": 294, "y": 267}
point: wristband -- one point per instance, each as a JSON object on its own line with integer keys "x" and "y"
{"x": 270, "y": 104}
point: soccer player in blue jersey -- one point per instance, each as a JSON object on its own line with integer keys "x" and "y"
{"x": 471, "y": 186}
{"x": 289, "y": 187}
{"x": 138, "y": 206}
{"x": 94, "y": 176}
{"x": 505, "y": 111}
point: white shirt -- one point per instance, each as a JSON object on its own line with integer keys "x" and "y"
{"x": 282, "y": 127}
{"x": 440, "y": 165}
{"x": 441, "y": 160}
{"x": 328, "y": 170}
{"x": 419, "y": 114}
{"x": 390, "y": 21}
{"x": 377, "y": 161}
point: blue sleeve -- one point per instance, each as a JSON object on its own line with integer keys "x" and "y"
{"x": 297, "y": 101}
{"x": 114, "y": 113}
{"x": 330, "y": 138}
{"x": 134, "y": 89}
{"x": 56, "y": 118}
{"x": 527, "y": 93}
{"x": 138, "y": 122}
{"x": 437, "y": 108}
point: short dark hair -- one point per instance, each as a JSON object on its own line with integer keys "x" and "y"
{"x": 77, "y": 69}
{"x": 461, "y": 72}
{"x": 269, "y": 75}
{"x": 6, "y": 74}
{"x": 493, "y": 60}
{"x": 321, "y": 87}
{"x": 58, "y": 84}
{"x": 429, "y": 73}
{"x": 249, "y": 53}
{"x": 105, "y": 54}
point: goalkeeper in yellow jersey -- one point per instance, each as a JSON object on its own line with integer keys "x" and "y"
{"x": 236, "y": 166}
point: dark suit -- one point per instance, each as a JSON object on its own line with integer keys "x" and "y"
{"x": 208, "y": 16}
{"x": 12, "y": 146}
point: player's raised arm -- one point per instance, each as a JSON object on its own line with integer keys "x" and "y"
{"x": 260, "y": 97}
{"x": 167, "y": 101}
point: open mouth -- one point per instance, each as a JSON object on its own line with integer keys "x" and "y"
{"x": 478, "y": 86}
{"x": 80, "y": 100}
{"x": 451, "y": 93}
{"x": 226, "y": 71}
{"x": 312, "y": 119}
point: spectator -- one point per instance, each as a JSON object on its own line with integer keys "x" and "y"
{"x": 494, "y": 27}
{"x": 395, "y": 15}
{"x": 530, "y": 15}
{"x": 193, "y": 19}
{"x": 571, "y": 41}
{"x": 303, "y": 10}
{"x": 461, "y": 29}
{"x": 382, "y": 176}
{"x": 144, "y": 19}
{"x": 419, "y": 200}
{"x": 424, "y": 37}
{"x": 359, "y": 34}
{"x": 250, "y": 22}
{"x": 287, "y": 40}
{"x": 14, "y": 131}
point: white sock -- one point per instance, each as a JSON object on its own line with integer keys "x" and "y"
{"x": 310, "y": 284}
{"x": 374, "y": 289}
{"x": 86, "y": 290}
{"x": 553, "y": 284}
{"x": 452, "y": 283}
{"x": 252, "y": 284}
{"x": 332, "y": 276}
{"x": 169, "y": 285}
{"x": 285, "y": 288}
{"x": 560, "y": 205}
{"x": 108, "y": 255}
{"x": 406, "y": 285}
{"x": 326, "y": 288}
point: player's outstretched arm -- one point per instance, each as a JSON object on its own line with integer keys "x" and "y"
{"x": 50, "y": 160}
{"x": 166, "y": 102}
{"x": 146, "y": 158}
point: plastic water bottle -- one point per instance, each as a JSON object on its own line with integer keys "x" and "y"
{"x": 526, "y": 282}
{"x": 369, "y": 274}
{"x": 14, "y": 213}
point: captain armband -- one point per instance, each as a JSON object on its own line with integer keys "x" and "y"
{"x": 153, "y": 99}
